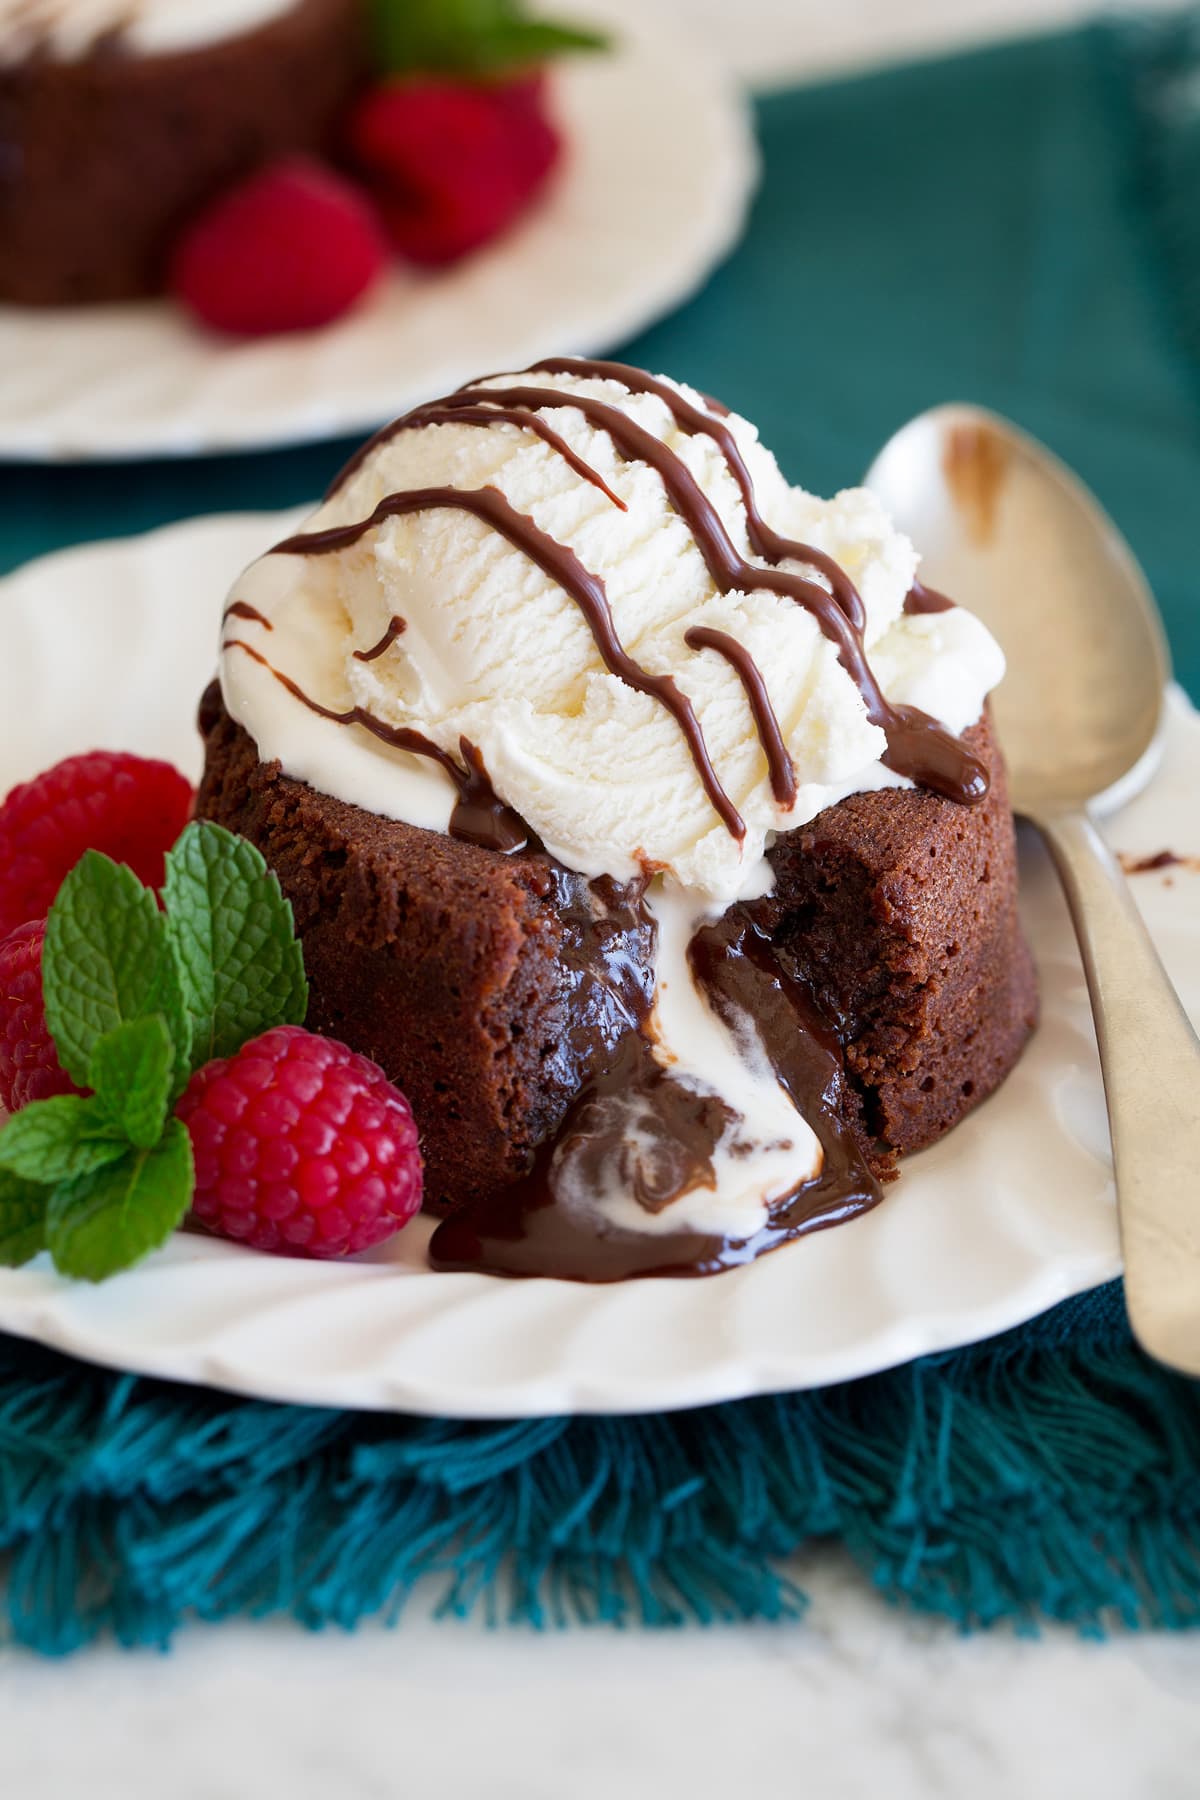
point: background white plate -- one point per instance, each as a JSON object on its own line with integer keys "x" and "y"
{"x": 642, "y": 210}
{"x": 110, "y": 645}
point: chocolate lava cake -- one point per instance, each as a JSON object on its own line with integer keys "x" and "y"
{"x": 650, "y": 1071}
{"x": 460, "y": 970}
{"x": 104, "y": 155}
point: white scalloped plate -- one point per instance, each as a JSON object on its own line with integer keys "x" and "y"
{"x": 110, "y": 645}
{"x": 638, "y": 217}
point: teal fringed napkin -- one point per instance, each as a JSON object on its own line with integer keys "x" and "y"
{"x": 1051, "y": 1472}
{"x": 1017, "y": 226}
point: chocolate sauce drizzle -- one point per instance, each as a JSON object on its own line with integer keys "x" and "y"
{"x": 564, "y": 567}
{"x": 917, "y": 746}
{"x": 780, "y": 766}
{"x": 242, "y": 609}
{"x": 1161, "y": 859}
{"x": 438, "y": 412}
{"x": 395, "y": 626}
{"x": 660, "y": 1136}
{"x": 765, "y": 541}
{"x": 922, "y": 599}
{"x": 479, "y": 816}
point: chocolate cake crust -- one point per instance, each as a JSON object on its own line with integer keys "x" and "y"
{"x": 457, "y": 969}
{"x": 900, "y": 911}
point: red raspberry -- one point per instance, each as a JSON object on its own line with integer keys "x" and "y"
{"x": 301, "y": 1146}
{"x": 536, "y": 143}
{"x": 289, "y": 249}
{"x": 127, "y": 806}
{"x": 523, "y": 93}
{"x": 29, "y": 1065}
{"x": 451, "y": 165}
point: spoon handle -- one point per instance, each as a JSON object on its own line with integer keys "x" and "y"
{"x": 1150, "y": 1059}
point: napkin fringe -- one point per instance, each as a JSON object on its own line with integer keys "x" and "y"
{"x": 1052, "y": 1474}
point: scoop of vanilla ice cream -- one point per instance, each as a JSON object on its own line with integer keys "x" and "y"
{"x": 495, "y": 650}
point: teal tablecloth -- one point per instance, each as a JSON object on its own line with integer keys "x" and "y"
{"x": 1018, "y": 227}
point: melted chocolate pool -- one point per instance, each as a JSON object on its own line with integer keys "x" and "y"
{"x": 634, "y": 1122}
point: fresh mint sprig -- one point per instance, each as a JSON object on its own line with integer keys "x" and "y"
{"x": 110, "y": 1219}
{"x": 137, "y": 998}
{"x": 469, "y": 37}
{"x": 235, "y": 949}
{"x": 131, "y": 1070}
{"x": 108, "y": 958}
{"x": 22, "y": 1220}
{"x": 60, "y": 1139}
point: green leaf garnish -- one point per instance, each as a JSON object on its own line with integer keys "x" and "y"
{"x": 106, "y": 961}
{"x": 234, "y": 939}
{"x": 136, "y": 998}
{"x": 110, "y": 1219}
{"x": 131, "y": 1072}
{"x": 22, "y": 1220}
{"x": 469, "y": 37}
{"x": 60, "y": 1139}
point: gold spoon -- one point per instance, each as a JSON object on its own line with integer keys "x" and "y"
{"x": 1006, "y": 528}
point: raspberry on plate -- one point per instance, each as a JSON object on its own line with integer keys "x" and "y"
{"x": 29, "y": 1065}
{"x": 289, "y": 249}
{"x": 301, "y": 1146}
{"x": 451, "y": 164}
{"x": 130, "y": 807}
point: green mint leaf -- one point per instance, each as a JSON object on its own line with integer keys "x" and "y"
{"x": 234, "y": 939}
{"x": 22, "y": 1220}
{"x": 110, "y": 1219}
{"x": 107, "y": 961}
{"x": 131, "y": 1070}
{"x": 521, "y": 42}
{"x": 60, "y": 1139}
{"x": 103, "y": 959}
{"x": 474, "y": 37}
{"x": 166, "y": 1001}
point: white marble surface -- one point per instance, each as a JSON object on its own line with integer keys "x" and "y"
{"x": 855, "y": 1701}
{"x": 850, "y": 1703}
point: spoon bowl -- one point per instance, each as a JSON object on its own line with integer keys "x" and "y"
{"x": 1005, "y": 527}
{"x": 1008, "y": 530}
